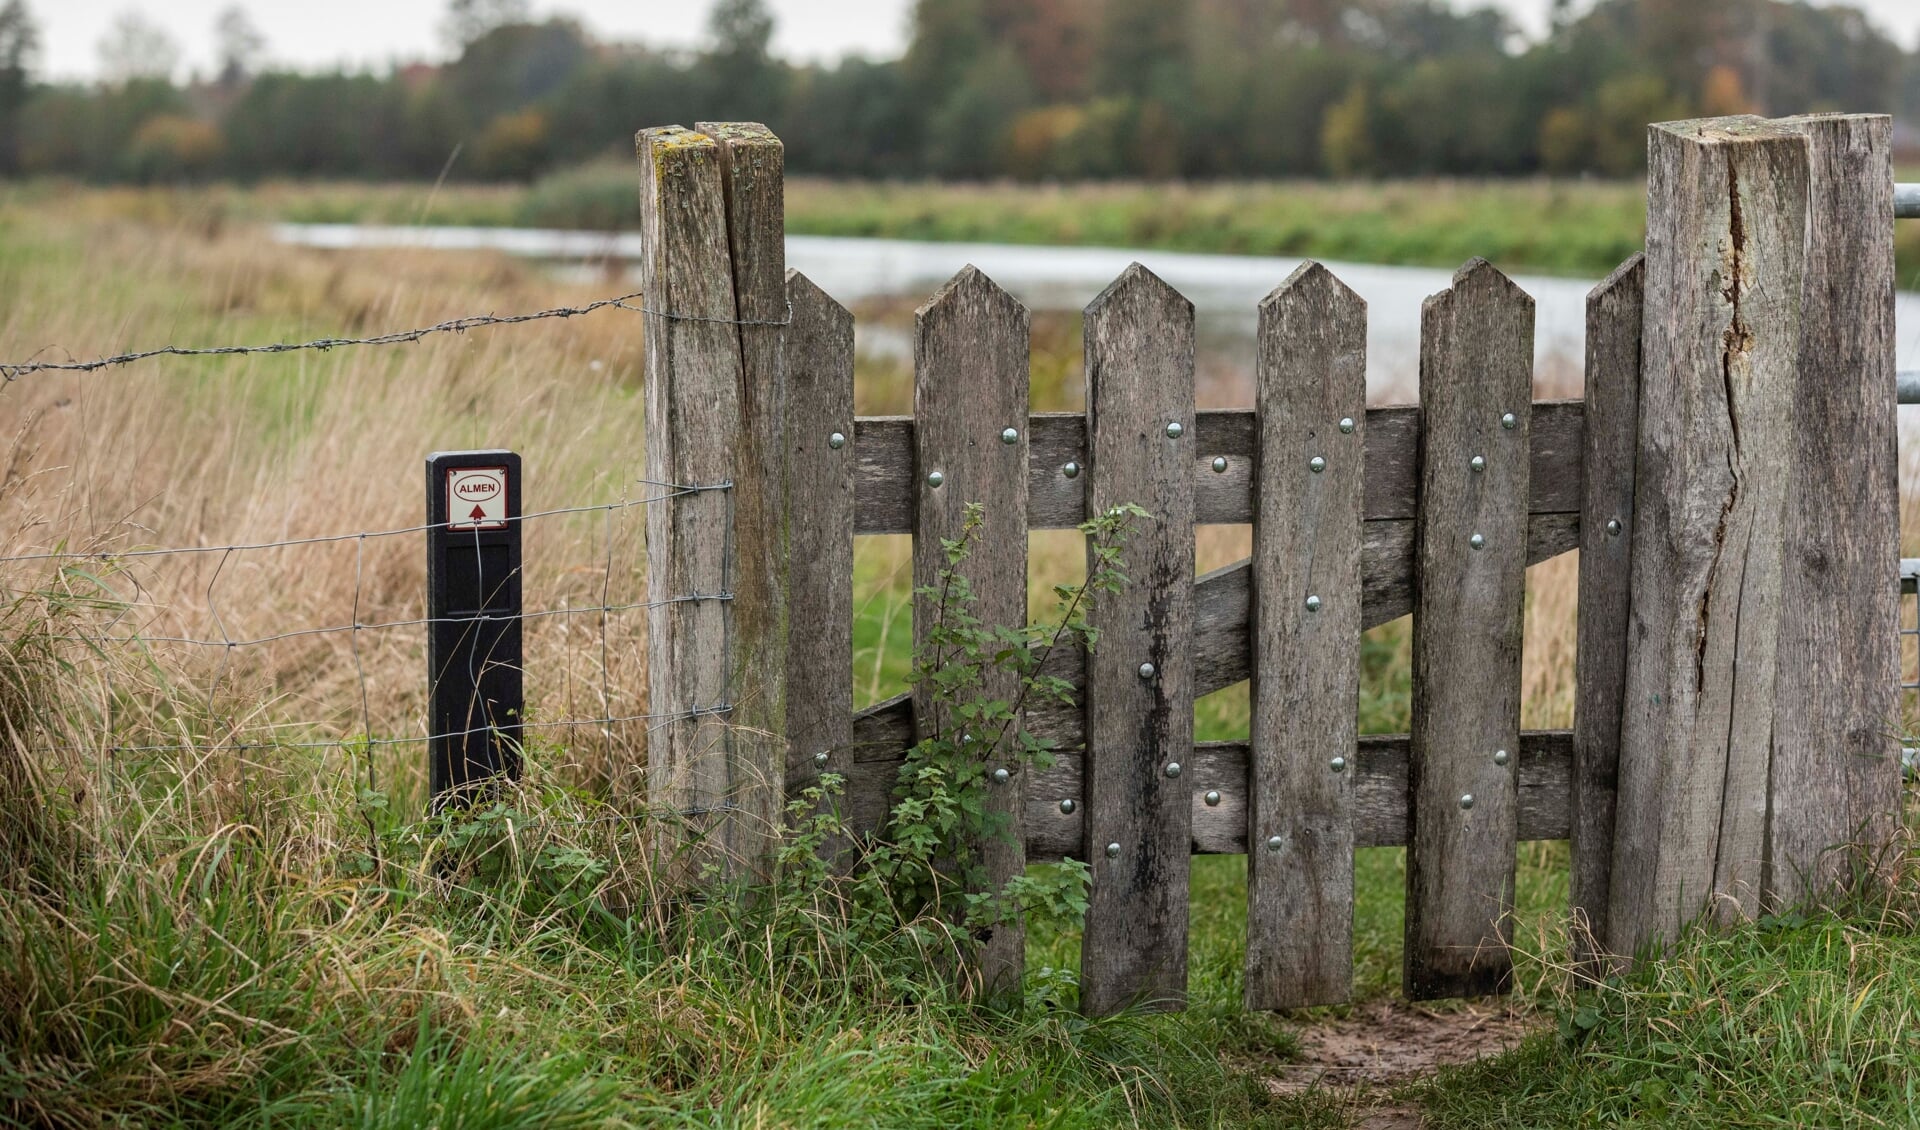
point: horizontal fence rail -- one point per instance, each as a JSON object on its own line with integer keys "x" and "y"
{"x": 1906, "y": 201}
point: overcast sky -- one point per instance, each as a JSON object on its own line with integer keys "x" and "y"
{"x": 373, "y": 33}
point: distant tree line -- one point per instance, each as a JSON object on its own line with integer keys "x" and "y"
{"x": 987, "y": 88}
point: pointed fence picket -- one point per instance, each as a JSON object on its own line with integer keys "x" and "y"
{"x": 1139, "y": 700}
{"x": 970, "y": 449}
{"x": 1311, "y": 386}
{"x": 1718, "y": 367}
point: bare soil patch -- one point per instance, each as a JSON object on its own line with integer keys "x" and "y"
{"x": 1384, "y": 1044}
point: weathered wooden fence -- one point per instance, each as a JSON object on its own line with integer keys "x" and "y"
{"x": 1729, "y": 482}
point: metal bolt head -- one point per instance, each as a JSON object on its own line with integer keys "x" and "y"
{"x": 1338, "y": 765}
{"x": 1501, "y": 757}
{"x": 1219, "y": 464}
{"x": 1175, "y": 431}
{"x": 1067, "y": 807}
{"x": 820, "y": 759}
{"x": 1613, "y": 527}
{"x": 1001, "y": 776}
{"x": 1148, "y": 670}
{"x": 1011, "y": 435}
{"x": 1275, "y": 843}
{"x": 1466, "y": 800}
{"x": 1113, "y": 851}
{"x": 1346, "y": 425}
{"x": 1478, "y": 541}
{"x": 1316, "y": 464}
{"x": 1313, "y": 604}
{"x": 1509, "y": 421}
{"x": 1478, "y": 463}
{"x": 837, "y": 440}
{"x": 1173, "y": 769}
{"x": 1213, "y": 798}
{"x": 935, "y": 478}
{"x": 1071, "y": 470}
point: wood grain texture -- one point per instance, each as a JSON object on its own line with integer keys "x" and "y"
{"x": 1727, "y": 212}
{"x": 694, "y": 420}
{"x": 753, "y": 182}
{"x": 1606, "y": 535}
{"x": 1379, "y": 803}
{"x": 1836, "y": 748}
{"x": 970, "y": 383}
{"x": 1311, "y": 375}
{"x": 1476, "y": 365}
{"x": 1139, "y": 365}
{"x": 1057, "y": 502}
{"x": 819, "y": 390}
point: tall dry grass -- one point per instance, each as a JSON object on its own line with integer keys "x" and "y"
{"x": 216, "y": 452}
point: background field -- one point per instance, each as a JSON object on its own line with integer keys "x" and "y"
{"x": 1578, "y": 227}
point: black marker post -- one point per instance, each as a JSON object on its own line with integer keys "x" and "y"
{"x": 474, "y": 640}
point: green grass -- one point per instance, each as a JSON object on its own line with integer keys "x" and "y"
{"x": 1799, "y": 1020}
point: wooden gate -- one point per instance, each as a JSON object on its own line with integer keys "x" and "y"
{"x": 1729, "y": 482}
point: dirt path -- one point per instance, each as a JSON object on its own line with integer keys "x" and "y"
{"x": 1385, "y": 1044}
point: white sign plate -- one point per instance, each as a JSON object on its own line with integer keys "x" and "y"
{"x": 477, "y": 498}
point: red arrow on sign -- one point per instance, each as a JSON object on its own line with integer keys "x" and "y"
{"x": 478, "y": 514}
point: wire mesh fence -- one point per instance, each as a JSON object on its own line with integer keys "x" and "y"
{"x": 209, "y": 682}
{"x": 168, "y": 653}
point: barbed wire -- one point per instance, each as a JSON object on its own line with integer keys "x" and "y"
{"x": 12, "y": 371}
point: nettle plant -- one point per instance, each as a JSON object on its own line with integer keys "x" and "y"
{"x": 928, "y": 862}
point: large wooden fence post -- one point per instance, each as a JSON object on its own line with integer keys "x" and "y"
{"x": 714, "y": 282}
{"x": 1726, "y": 212}
{"x": 1836, "y": 749}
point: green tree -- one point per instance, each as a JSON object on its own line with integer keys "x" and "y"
{"x": 1622, "y": 109}
{"x": 1141, "y": 51}
{"x": 19, "y": 50}
{"x": 514, "y": 66}
{"x": 469, "y": 20}
{"x": 948, "y": 38}
{"x": 967, "y": 136}
{"x": 238, "y": 45}
{"x": 747, "y": 82}
{"x": 1346, "y": 135}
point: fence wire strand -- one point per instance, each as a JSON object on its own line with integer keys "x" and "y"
{"x": 13, "y": 371}
{"x": 673, "y": 490}
{"x": 227, "y": 644}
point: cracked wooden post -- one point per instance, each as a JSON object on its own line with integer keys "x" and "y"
{"x": 1726, "y": 259}
{"x": 1836, "y": 745}
{"x": 713, "y": 275}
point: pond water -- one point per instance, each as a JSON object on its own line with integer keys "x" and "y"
{"x": 1225, "y": 290}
